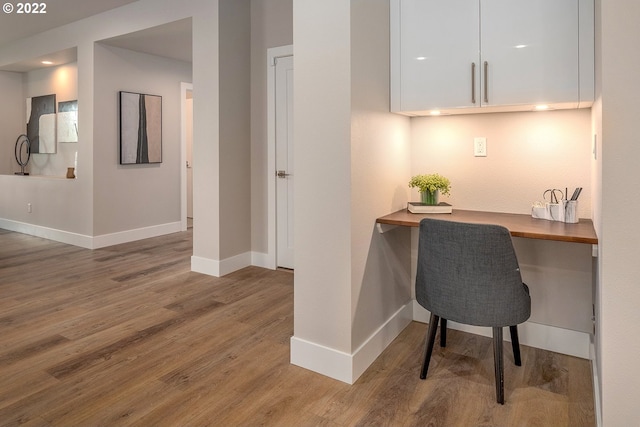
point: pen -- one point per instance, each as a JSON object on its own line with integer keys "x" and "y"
{"x": 575, "y": 194}
{"x": 579, "y": 191}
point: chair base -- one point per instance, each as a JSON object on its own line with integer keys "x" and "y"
{"x": 498, "y": 359}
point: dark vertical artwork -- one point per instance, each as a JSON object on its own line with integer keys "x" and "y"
{"x": 140, "y": 128}
{"x": 142, "y": 152}
{"x": 41, "y": 124}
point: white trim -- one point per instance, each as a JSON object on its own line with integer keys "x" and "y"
{"x": 127, "y": 236}
{"x": 261, "y": 259}
{"x": 395, "y": 95}
{"x": 272, "y": 54}
{"x": 367, "y": 353}
{"x": 90, "y": 242}
{"x": 61, "y": 236}
{"x": 218, "y": 268}
{"x": 207, "y": 266}
{"x": 343, "y": 366}
{"x": 237, "y": 262}
{"x": 565, "y": 341}
{"x": 184, "y": 87}
{"x": 323, "y": 360}
{"x": 597, "y": 403}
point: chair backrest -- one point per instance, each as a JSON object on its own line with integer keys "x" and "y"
{"x": 469, "y": 273}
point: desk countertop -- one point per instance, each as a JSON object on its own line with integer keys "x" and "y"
{"x": 519, "y": 225}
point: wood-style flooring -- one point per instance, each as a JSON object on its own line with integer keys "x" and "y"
{"x": 129, "y": 336}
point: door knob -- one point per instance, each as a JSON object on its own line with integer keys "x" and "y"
{"x": 282, "y": 174}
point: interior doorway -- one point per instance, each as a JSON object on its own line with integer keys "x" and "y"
{"x": 284, "y": 162}
{"x": 186, "y": 208}
{"x": 279, "y": 174}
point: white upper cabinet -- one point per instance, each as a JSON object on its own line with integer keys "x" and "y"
{"x": 465, "y": 56}
{"x": 437, "y": 51}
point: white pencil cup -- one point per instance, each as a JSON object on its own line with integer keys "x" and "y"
{"x": 571, "y": 211}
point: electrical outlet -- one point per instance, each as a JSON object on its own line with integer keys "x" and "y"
{"x": 480, "y": 147}
{"x": 28, "y": 207}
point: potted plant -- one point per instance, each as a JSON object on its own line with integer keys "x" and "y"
{"x": 430, "y": 186}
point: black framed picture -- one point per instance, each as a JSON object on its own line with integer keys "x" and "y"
{"x": 140, "y": 128}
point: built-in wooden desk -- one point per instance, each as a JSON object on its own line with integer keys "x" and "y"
{"x": 519, "y": 225}
{"x": 549, "y": 283}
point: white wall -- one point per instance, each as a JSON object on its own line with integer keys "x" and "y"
{"x": 271, "y": 26}
{"x": 12, "y": 119}
{"x": 526, "y": 153}
{"x": 128, "y": 197}
{"x": 64, "y": 209}
{"x": 322, "y": 135}
{"x": 222, "y": 201}
{"x": 351, "y": 155}
{"x": 380, "y": 161}
{"x": 619, "y": 293}
{"x": 235, "y": 129}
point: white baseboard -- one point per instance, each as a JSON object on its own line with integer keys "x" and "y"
{"x": 90, "y": 242}
{"x": 348, "y": 367}
{"x": 597, "y": 402}
{"x": 368, "y": 352}
{"x": 61, "y": 236}
{"x": 104, "y": 240}
{"x": 327, "y": 361}
{"x": 565, "y": 341}
{"x": 218, "y": 268}
{"x": 262, "y": 259}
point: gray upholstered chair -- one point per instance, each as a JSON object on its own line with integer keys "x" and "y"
{"x": 469, "y": 273}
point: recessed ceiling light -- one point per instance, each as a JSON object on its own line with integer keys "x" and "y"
{"x": 435, "y": 113}
{"x": 542, "y": 107}
{"x": 520, "y": 46}
{"x": 421, "y": 58}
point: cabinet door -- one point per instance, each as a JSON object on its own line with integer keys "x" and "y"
{"x": 531, "y": 51}
{"x": 439, "y": 43}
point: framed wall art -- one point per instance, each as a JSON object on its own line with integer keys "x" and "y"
{"x": 140, "y": 128}
{"x": 68, "y": 121}
{"x": 41, "y": 125}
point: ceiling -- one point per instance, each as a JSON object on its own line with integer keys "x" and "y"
{"x": 171, "y": 40}
{"x": 59, "y": 12}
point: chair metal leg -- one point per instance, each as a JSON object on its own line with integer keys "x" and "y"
{"x": 498, "y": 364}
{"x": 443, "y": 332}
{"x": 515, "y": 343}
{"x": 431, "y": 337}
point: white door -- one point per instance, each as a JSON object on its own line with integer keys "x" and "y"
{"x": 284, "y": 161}
{"x": 189, "y": 129}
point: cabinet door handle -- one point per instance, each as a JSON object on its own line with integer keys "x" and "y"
{"x": 486, "y": 82}
{"x": 473, "y": 82}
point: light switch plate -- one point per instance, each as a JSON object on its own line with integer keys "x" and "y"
{"x": 480, "y": 146}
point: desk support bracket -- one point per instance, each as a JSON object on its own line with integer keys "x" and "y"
{"x": 383, "y": 228}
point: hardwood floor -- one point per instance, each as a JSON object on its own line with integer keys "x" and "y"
{"x": 128, "y": 336}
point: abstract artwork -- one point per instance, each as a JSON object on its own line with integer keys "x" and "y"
{"x": 140, "y": 128}
{"x": 41, "y": 124}
{"x": 68, "y": 121}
